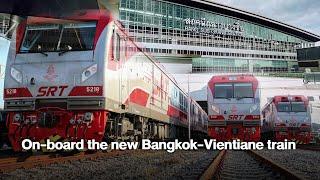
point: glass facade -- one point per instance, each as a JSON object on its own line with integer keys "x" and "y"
{"x": 214, "y": 42}
{"x": 309, "y": 58}
{"x": 309, "y": 54}
{"x": 4, "y": 24}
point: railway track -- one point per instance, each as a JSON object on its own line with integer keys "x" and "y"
{"x": 12, "y": 163}
{"x": 245, "y": 165}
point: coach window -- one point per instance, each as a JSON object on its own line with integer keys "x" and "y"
{"x": 123, "y": 49}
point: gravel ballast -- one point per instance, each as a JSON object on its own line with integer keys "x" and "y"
{"x": 141, "y": 164}
{"x": 302, "y": 162}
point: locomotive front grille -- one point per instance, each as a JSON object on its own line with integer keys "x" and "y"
{"x": 217, "y": 123}
{"x": 43, "y": 103}
{"x": 69, "y": 104}
{"x": 19, "y": 105}
{"x": 251, "y": 123}
{"x": 92, "y": 103}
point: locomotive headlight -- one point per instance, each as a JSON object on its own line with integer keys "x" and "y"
{"x": 278, "y": 119}
{"x": 253, "y": 108}
{"x": 88, "y": 116}
{"x": 88, "y": 72}
{"x": 253, "y": 129}
{"x": 17, "y": 75}
{"x": 17, "y": 117}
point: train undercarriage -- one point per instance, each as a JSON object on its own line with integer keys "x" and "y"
{"x": 126, "y": 127}
{"x": 226, "y": 131}
{"x": 61, "y": 125}
{"x": 293, "y": 134}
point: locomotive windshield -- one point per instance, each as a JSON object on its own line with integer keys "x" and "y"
{"x": 59, "y": 37}
{"x": 291, "y": 107}
{"x": 233, "y": 90}
{"x": 223, "y": 91}
{"x": 243, "y": 90}
{"x": 284, "y": 107}
{"x": 298, "y": 107}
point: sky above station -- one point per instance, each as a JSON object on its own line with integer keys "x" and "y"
{"x": 303, "y": 14}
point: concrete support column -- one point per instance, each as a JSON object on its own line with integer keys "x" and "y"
{"x": 250, "y": 64}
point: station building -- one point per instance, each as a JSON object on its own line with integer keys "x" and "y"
{"x": 201, "y": 36}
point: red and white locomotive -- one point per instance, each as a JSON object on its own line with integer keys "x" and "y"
{"x": 234, "y": 108}
{"x": 287, "y": 117}
{"x": 82, "y": 77}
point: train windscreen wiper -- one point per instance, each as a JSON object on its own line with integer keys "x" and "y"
{"x": 228, "y": 98}
{"x": 63, "y": 52}
{"x": 239, "y": 98}
{"x": 43, "y": 53}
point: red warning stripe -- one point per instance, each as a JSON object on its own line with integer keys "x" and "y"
{"x": 17, "y": 92}
{"x": 86, "y": 91}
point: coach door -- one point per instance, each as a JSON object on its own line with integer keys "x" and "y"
{"x": 121, "y": 76}
{"x": 124, "y": 73}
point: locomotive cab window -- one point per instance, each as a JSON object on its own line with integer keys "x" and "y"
{"x": 223, "y": 91}
{"x": 243, "y": 90}
{"x": 284, "y": 107}
{"x": 298, "y": 107}
{"x": 75, "y": 36}
{"x": 233, "y": 90}
{"x": 40, "y": 38}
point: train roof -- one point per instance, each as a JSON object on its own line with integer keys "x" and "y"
{"x": 279, "y": 98}
{"x": 233, "y": 78}
{"x": 152, "y": 59}
{"x": 290, "y": 98}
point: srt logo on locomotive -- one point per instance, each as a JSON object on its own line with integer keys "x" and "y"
{"x": 51, "y": 91}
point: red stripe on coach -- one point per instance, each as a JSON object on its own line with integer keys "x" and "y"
{"x": 139, "y": 96}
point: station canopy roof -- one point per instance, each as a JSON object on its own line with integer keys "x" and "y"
{"x": 46, "y": 8}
